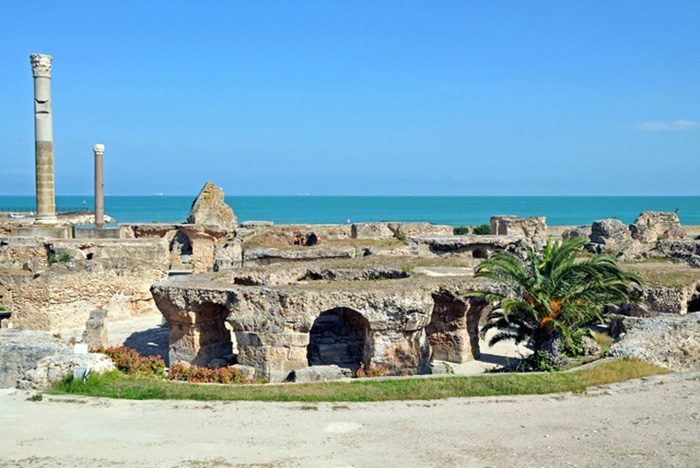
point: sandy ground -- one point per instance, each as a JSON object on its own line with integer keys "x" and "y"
{"x": 644, "y": 423}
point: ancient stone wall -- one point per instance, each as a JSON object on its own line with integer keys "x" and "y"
{"x": 114, "y": 275}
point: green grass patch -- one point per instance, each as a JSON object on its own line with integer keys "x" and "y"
{"x": 117, "y": 385}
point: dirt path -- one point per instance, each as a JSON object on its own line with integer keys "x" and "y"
{"x": 650, "y": 423}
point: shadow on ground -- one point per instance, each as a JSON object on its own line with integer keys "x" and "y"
{"x": 151, "y": 342}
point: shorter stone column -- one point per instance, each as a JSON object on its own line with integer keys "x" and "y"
{"x": 99, "y": 188}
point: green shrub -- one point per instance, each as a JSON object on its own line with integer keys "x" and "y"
{"x": 482, "y": 229}
{"x": 60, "y": 257}
{"x": 401, "y": 237}
{"x": 460, "y": 230}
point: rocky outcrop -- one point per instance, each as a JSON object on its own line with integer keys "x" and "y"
{"x": 672, "y": 342}
{"x": 21, "y": 350}
{"x": 609, "y": 236}
{"x": 578, "y": 231}
{"x": 210, "y": 208}
{"x": 371, "y": 231}
{"x": 684, "y": 250}
{"x": 652, "y": 226}
{"x": 56, "y": 367}
{"x": 534, "y": 226}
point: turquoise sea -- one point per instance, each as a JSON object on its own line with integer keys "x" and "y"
{"x": 454, "y": 211}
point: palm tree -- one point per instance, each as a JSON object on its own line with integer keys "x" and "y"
{"x": 547, "y": 300}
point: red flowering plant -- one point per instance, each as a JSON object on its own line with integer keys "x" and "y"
{"x": 223, "y": 375}
{"x": 130, "y": 361}
{"x": 371, "y": 371}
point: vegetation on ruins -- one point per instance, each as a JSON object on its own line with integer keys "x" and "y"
{"x": 60, "y": 257}
{"x": 482, "y": 230}
{"x": 460, "y": 230}
{"x": 118, "y": 385}
{"x": 547, "y": 300}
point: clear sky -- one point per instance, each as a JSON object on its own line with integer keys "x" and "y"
{"x": 358, "y": 98}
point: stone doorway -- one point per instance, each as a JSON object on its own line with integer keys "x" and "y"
{"x": 338, "y": 336}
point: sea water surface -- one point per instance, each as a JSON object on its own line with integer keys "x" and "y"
{"x": 455, "y": 211}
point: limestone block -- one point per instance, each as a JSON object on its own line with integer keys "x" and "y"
{"x": 210, "y": 208}
{"x": 318, "y": 374}
{"x": 96, "y": 329}
{"x": 578, "y": 231}
{"x": 609, "y": 235}
{"x": 371, "y": 231}
{"x": 652, "y": 226}
{"x": 56, "y": 367}
{"x": 535, "y": 226}
{"x": 20, "y": 351}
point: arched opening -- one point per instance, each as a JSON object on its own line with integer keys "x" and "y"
{"x": 480, "y": 253}
{"x": 694, "y": 302}
{"x": 338, "y": 336}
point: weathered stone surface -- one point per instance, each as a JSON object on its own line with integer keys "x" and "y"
{"x": 371, "y": 231}
{"x": 660, "y": 300}
{"x": 609, "y": 235}
{"x": 578, "y": 231}
{"x": 652, "y": 226}
{"x": 534, "y": 226}
{"x": 56, "y": 367}
{"x": 111, "y": 274}
{"x": 228, "y": 255}
{"x": 210, "y": 208}
{"x": 96, "y": 329}
{"x": 469, "y": 246}
{"x": 419, "y": 229}
{"x": 685, "y": 250}
{"x": 275, "y": 326}
{"x": 669, "y": 341}
{"x": 453, "y": 331}
{"x": 263, "y": 256}
{"x": 318, "y": 374}
{"x": 21, "y": 350}
{"x": 247, "y": 371}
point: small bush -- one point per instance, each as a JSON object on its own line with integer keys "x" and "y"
{"x": 401, "y": 237}
{"x": 130, "y": 361}
{"x": 406, "y": 269}
{"x": 460, "y": 230}
{"x": 60, "y": 257}
{"x": 482, "y": 229}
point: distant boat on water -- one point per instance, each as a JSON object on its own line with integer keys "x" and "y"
{"x": 158, "y": 194}
{"x": 302, "y": 194}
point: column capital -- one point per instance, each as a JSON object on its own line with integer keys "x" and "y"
{"x": 98, "y": 149}
{"x": 41, "y": 65}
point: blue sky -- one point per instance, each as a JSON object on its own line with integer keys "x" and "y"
{"x": 359, "y": 98}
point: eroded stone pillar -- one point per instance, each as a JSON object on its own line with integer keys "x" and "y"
{"x": 99, "y": 188}
{"x": 43, "y": 138}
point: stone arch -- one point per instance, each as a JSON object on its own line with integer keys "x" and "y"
{"x": 453, "y": 331}
{"x": 338, "y": 336}
{"x": 180, "y": 249}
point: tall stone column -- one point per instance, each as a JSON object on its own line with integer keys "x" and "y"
{"x": 99, "y": 188}
{"x": 43, "y": 138}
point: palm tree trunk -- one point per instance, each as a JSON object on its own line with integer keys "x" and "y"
{"x": 548, "y": 344}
